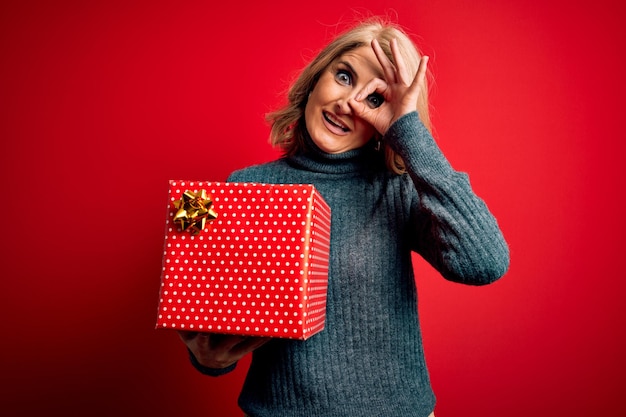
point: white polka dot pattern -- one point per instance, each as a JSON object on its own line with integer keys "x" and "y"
{"x": 259, "y": 269}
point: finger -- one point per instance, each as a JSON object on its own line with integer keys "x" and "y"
{"x": 389, "y": 71}
{"x": 248, "y": 345}
{"x": 375, "y": 85}
{"x": 376, "y": 117}
{"x": 358, "y": 108}
{"x": 186, "y": 335}
{"x": 362, "y": 110}
{"x": 225, "y": 342}
{"x": 402, "y": 71}
{"x": 418, "y": 81}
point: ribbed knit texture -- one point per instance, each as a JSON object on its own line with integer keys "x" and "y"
{"x": 369, "y": 359}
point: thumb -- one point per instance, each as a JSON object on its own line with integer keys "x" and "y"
{"x": 363, "y": 111}
{"x": 373, "y": 116}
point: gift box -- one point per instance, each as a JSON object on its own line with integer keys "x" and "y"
{"x": 245, "y": 258}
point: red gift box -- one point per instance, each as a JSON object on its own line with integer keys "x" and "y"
{"x": 245, "y": 258}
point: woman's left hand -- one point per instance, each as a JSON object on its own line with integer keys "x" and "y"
{"x": 399, "y": 92}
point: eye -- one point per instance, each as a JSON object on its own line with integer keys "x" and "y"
{"x": 343, "y": 77}
{"x": 375, "y": 100}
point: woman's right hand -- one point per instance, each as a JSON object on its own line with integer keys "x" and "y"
{"x": 219, "y": 351}
{"x": 399, "y": 89}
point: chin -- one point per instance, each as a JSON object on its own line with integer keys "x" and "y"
{"x": 329, "y": 147}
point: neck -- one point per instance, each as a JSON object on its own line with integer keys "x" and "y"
{"x": 363, "y": 159}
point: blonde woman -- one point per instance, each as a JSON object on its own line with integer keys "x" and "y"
{"x": 357, "y": 127}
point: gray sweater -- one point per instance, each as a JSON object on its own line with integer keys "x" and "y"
{"x": 369, "y": 359}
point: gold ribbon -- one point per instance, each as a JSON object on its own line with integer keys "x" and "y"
{"x": 194, "y": 210}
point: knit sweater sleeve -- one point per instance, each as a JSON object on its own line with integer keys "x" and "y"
{"x": 452, "y": 228}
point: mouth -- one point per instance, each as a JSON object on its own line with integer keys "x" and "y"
{"x": 335, "y": 123}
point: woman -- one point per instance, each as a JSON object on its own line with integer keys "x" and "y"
{"x": 357, "y": 127}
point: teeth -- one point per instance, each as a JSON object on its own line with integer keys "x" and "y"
{"x": 336, "y": 122}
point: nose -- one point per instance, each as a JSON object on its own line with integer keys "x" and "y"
{"x": 342, "y": 106}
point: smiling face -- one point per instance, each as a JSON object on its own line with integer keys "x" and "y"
{"x": 330, "y": 121}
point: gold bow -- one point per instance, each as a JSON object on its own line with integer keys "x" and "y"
{"x": 194, "y": 209}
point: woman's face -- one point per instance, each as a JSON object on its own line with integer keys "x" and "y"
{"x": 330, "y": 121}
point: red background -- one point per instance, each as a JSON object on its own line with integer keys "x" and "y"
{"x": 102, "y": 102}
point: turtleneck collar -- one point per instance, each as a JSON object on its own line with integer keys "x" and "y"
{"x": 361, "y": 160}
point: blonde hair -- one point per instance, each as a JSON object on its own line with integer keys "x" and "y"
{"x": 287, "y": 124}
